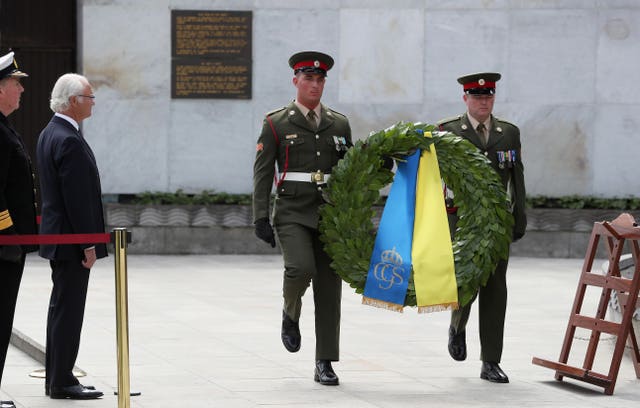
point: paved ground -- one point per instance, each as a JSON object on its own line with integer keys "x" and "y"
{"x": 204, "y": 332}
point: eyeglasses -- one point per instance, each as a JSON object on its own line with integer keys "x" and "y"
{"x": 88, "y": 96}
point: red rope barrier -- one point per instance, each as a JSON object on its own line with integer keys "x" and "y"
{"x": 52, "y": 239}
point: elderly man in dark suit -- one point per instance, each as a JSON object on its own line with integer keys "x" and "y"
{"x": 17, "y": 202}
{"x": 499, "y": 141}
{"x": 71, "y": 204}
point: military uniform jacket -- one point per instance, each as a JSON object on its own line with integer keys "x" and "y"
{"x": 17, "y": 194}
{"x": 70, "y": 189}
{"x": 296, "y": 147}
{"x": 503, "y": 137}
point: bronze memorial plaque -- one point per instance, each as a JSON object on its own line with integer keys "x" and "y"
{"x": 211, "y": 54}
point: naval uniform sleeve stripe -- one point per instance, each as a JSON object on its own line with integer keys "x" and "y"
{"x": 5, "y": 220}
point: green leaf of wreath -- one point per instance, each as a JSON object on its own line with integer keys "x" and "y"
{"x": 484, "y": 226}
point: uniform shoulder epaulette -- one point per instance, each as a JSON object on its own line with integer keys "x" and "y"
{"x": 336, "y": 112}
{"x": 504, "y": 121}
{"x": 275, "y": 111}
{"x": 447, "y": 120}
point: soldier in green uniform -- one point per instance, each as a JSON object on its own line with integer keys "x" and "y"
{"x": 304, "y": 139}
{"x": 499, "y": 140}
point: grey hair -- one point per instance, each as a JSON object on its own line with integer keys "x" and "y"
{"x": 66, "y": 86}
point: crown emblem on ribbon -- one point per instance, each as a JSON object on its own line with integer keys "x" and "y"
{"x": 391, "y": 256}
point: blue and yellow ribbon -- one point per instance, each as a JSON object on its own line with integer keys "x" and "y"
{"x": 413, "y": 237}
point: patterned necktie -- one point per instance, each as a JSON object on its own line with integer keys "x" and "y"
{"x": 481, "y": 129}
{"x": 311, "y": 118}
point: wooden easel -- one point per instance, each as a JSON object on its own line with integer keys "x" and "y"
{"x": 614, "y": 235}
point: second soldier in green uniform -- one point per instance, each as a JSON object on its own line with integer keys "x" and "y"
{"x": 304, "y": 140}
{"x": 499, "y": 141}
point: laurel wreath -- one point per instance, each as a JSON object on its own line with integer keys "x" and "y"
{"x": 484, "y": 227}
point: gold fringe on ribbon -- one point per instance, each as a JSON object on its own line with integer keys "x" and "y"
{"x": 394, "y": 307}
{"x": 438, "y": 308}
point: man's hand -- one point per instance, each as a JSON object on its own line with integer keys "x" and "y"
{"x": 517, "y": 236}
{"x": 265, "y": 232}
{"x": 89, "y": 257}
{"x": 11, "y": 253}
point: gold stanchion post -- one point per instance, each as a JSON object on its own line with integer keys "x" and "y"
{"x": 122, "y": 317}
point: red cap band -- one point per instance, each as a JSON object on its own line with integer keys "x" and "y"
{"x": 310, "y": 64}
{"x": 477, "y": 84}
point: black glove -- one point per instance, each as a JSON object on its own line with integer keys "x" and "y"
{"x": 265, "y": 232}
{"x": 517, "y": 236}
{"x": 11, "y": 253}
{"x": 387, "y": 162}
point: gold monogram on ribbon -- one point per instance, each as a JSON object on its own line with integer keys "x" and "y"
{"x": 389, "y": 270}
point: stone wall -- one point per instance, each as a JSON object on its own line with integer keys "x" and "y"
{"x": 568, "y": 81}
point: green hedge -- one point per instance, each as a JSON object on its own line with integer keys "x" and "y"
{"x": 208, "y": 197}
{"x": 579, "y": 202}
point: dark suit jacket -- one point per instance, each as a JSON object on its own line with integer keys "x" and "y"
{"x": 70, "y": 189}
{"x": 503, "y": 136}
{"x": 298, "y": 148}
{"x": 17, "y": 195}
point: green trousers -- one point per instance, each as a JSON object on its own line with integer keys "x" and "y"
{"x": 492, "y": 307}
{"x": 305, "y": 262}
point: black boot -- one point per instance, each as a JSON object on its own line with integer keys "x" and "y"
{"x": 492, "y": 372}
{"x": 324, "y": 373}
{"x": 290, "y": 333}
{"x": 457, "y": 344}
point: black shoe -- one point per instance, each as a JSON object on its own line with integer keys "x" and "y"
{"x": 7, "y": 404}
{"x": 492, "y": 372}
{"x": 47, "y": 390}
{"x": 290, "y": 333}
{"x": 324, "y": 373}
{"x": 457, "y": 344}
{"x": 77, "y": 391}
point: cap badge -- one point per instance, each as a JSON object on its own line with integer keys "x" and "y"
{"x": 316, "y": 63}
{"x": 480, "y": 81}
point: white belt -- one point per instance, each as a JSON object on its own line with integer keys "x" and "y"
{"x": 316, "y": 177}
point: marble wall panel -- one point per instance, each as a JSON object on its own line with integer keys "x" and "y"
{"x": 552, "y": 56}
{"x": 135, "y": 63}
{"x": 617, "y": 56}
{"x": 615, "y": 146}
{"x": 381, "y": 56}
{"x": 462, "y": 42}
{"x": 130, "y": 140}
{"x": 211, "y": 146}
{"x": 557, "y": 147}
